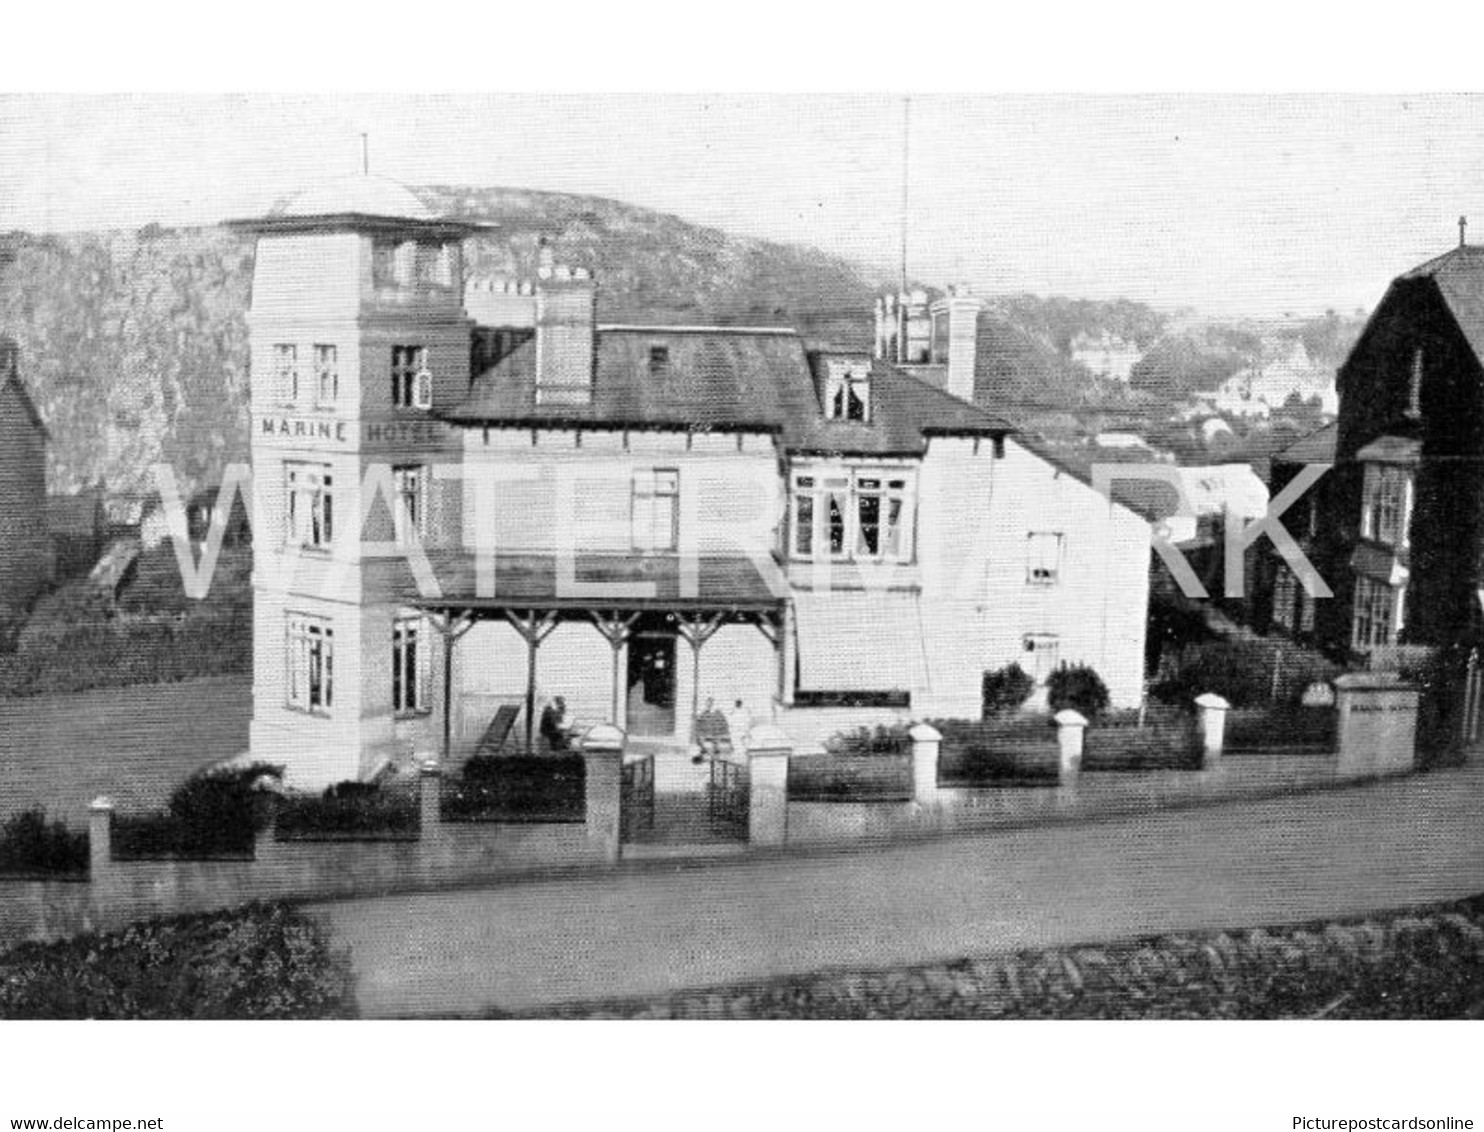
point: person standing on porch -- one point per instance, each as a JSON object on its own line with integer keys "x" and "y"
{"x": 554, "y": 724}
{"x": 739, "y": 723}
{"x": 712, "y": 732}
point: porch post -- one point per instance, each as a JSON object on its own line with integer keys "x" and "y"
{"x": 451, "y": 631}
{"x": 616, "y": 630}
{"x": 534, "y": 628}
{"x": 697, "y": 630}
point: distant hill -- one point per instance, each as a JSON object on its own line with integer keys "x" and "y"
{"x": 134, "y": 343}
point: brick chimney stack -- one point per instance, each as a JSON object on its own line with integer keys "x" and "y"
{"x": 962, "y": 310}
{"x": 566, "y": 309}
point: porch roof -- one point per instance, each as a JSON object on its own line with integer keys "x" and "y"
{"x": 652, "y": 582}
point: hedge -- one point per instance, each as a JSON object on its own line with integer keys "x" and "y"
{"x": 1410, "y": 965}
{"x": 348, "y": 810}
{"x": 31, "y": 844}
{"x": 261, "y": 961}
{"x": 879, "y": 777}
{"x": 518, "y": 788}
{"x": 216, "y": 813}
{"x": 1021, "y": 751}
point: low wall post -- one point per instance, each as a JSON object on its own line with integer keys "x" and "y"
{"x": 1376, "y": 728}
{"x": 1071, "y": 728}
{"x": 927, "y": 743}
{"x": 768, "y": 752}
{"x": 100, "y": 840}
{"x": 429, "y": 800}
{"x": 602, "y": 759}
{"x": 1211, "y": 711}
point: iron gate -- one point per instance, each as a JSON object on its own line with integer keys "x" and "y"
{"x": 726, "y": 798}
{"x": 1471, "y": 722}
{"x": 636, "y": 797}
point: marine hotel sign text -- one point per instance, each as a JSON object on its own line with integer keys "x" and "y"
{"x": 290, "y": 431}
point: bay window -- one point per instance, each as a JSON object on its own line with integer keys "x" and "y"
{"x": 851, "y": 514}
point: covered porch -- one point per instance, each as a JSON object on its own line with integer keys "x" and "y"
{"x": 644, "y": 660}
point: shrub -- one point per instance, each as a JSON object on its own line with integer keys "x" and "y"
{"x": 879, "y": 740}
{"x": 1078, "y": 687}
{"x": 538, "y": 788}
{"x": 214, "y": 813}
{"x": 29, "y": 844}
{"x": 261, "y": 961}
{"x": 1004, "y": 689}
{"x": 347, "y": 809}
{"x": 1242, "y": 672}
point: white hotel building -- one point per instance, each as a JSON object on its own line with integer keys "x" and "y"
{"x": 474, "y": 496}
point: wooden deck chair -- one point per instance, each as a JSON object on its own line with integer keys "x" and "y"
{"x": 498, "y": 731}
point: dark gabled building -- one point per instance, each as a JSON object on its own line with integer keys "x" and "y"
{"x": 1280, "y": 602}
{"x": 1400, "y": 537}
{"x": 25, "y": 557}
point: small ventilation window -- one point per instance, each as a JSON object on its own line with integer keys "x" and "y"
{"x": 1414, "y": 385}
{"x": 659, "y": 360}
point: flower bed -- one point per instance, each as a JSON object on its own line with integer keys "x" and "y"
{"x": 518, "y": 788}
{"x": 29, "y": 845}
{"x": 348, "y": 811}
{"x": 884, "y": 777}
{"x": 262, "y": 961}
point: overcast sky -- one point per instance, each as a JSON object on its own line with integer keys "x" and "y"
{"x": 1253, "y": 204}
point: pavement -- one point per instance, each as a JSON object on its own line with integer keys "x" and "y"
{"x": 658, "y": 927}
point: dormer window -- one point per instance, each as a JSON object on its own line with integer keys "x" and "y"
{"x": 847, "y": 395}
{"x": 659, "y": 360}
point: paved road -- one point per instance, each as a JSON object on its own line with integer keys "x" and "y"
{"x": 652, "y": 930}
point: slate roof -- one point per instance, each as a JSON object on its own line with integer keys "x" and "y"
{"x": 732, "y": 583}
{"x": 725, "y": 379}
{"x": 1459, "y": 277}
{"x": 1317, "y": 447}
{"x": 10, "y": 376}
